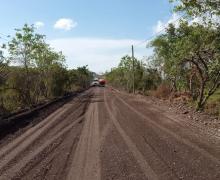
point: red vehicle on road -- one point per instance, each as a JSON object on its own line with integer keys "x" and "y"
{"x": 102, "y": 82}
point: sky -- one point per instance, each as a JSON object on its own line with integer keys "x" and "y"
{"x": 96, "y": 33}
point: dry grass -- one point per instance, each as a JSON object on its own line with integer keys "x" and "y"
{"x": 163, "y": 91}
{"x": 213, "y": 108}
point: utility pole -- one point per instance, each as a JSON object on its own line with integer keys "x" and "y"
{"x": 133, "y": 70}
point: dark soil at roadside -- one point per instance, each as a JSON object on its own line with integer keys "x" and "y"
{"x": 16, "y": 122}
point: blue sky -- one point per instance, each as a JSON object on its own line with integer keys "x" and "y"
{"x": 93, "y": 32}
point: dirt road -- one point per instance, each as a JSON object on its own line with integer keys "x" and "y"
{"x": 104, "y": 134}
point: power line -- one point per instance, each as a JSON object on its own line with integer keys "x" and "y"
{"x": 3, "y": 38}
{"x": 163, "y": 28}
{"x": 151, "y": 37}
{"x": 7, "y": 36}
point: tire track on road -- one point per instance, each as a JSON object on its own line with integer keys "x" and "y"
{"x": 48, "y": 123}
{"x": 30, "y": 132}
{"x": 177, "y": 137}
{"x": 86, "y": 162}
{"x": 211, "y": 132}
{"x": 21, "y": 164}
{"x": 15, "y": 155}
{"x": 147, "y": 170}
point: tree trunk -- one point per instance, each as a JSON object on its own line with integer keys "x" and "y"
{"x": 173, "y": 85}
{"x": 200, "y": 103}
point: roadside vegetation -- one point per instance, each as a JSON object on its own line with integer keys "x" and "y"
{"x": 32, "y": 72}
{"x": 186, "y": 59}
{"x": 145, "y": 78}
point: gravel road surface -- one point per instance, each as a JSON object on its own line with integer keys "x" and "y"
{"x": 103, "y": 134}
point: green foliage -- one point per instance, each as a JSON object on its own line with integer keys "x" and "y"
{"x": 23, "y": 47}
{"x": 79, "y": 78}
{"x": 38, "y": 72}
{"x": 196, "y": 7}
{"x": 190, "y": 58}
{"x": 58, "y": 80}
{"x": 122, "y": 76}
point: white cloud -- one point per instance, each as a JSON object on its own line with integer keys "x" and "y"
{"x": 162, "y": 25}
{"x": 38, "y": 24}
{"x": 99, "y": 54}
{"x": 65, "y": 23}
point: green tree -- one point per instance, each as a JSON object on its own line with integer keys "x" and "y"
{"x": 22, "y": 49}
{"x": 191, "y": 49}
{"x": 80, "y": 78}
{"x": 3, "y": 77}
{"x": 122, "y": 76}
{"x": 165, "y": 56}
{"x": 34, "y": 72}
{"x": 45, "y": 61}
{"x": 58, "y": 80}
{"x": 196, "y": 7}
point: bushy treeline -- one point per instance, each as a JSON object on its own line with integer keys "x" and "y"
{"x": 186, "y": 57}
{"x": 33, "y": 72}
{"x": 145, "y": 77}
{"x": 190, "y": 58}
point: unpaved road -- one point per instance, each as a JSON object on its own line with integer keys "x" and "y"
{"x": 103, "y": 134}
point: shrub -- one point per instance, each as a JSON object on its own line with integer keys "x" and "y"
{"x": 163, "y": 91}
